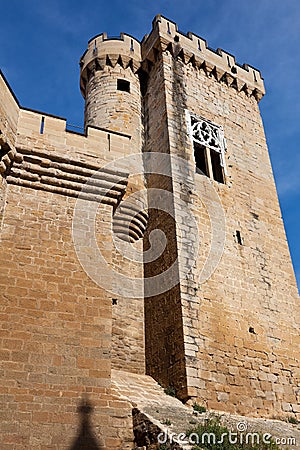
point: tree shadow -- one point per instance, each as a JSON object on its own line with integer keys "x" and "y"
{"x": 86, "y": 439}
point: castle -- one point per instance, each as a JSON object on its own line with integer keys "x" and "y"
{"x": 151, "y": 247}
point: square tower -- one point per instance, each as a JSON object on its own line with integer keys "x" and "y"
{"x": 227, "y": 333}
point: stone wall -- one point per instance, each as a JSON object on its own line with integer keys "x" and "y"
{"x": 163, "y": 315}
{"x": 57, "y": 335}
{"x": 56, "y": 329}
{"x": 238, "y": 358}
{"x": 9, "y": 113}
{"x": 114, "y": 109}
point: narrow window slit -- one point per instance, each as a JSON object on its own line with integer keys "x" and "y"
{"x": 168, "y": 25}
{"x": 42, "y": 125}
{"x": 95, "y": 47}
{"x": 239, "y": 237}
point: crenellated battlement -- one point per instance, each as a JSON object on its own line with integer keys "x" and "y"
{"x": 192, "y": 48}
{"x": 165, "y": 36}
{"x": 102, "y": 50}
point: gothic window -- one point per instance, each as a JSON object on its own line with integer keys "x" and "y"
{"x": 201, "y": 159}
{"x": 209, "y": 148}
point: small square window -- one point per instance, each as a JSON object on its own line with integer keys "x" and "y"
{"x": 123, "y": 85}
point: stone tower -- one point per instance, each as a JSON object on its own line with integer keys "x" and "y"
{"x": 220, "y": 324}
{"x": 150, "y": 247}
{"x": 110, "y": 85}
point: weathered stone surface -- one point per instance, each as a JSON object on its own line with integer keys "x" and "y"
{"x": 225, "y": 334}
{"x": 241, "y": 320}
{"x": 156, "y": 413}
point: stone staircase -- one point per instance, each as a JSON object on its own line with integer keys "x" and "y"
{"x": 158, "y": 417}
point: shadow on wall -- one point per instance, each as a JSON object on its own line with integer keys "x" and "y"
{"x": 86, "y": 439}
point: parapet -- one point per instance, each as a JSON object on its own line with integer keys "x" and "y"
{"x": 165, "y": 36}
{"x": 192, "y": 48}
{"x": 9, "y": 116}
{"x": 124, "y": 50}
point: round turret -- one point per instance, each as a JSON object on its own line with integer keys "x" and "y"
{"x": 110, "y": 84}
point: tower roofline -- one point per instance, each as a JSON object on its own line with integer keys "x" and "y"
{"x": 165, "y": 35}
{"x": 101, "y": 43}
{"x": 118, "y": 38}
{"x": 103, "y": 50}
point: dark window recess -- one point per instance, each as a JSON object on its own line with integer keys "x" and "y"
{"x": 95, "y": 48}
{"x": 216, "y": 166}
{"x": 143, "y": 76}
{"x": 202, "y": 164}
{"x": 42, "y": 125}
{"x": 123, "y": 85}
{"x": 200, "y": 158}
{"x": 114, "y": 301}
{"x": 251, "y": 330}
{"x": 239, "y": 237}
{"x": 4, "y": 148}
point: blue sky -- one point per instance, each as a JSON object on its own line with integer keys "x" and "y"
{"x": 41, "y": 43}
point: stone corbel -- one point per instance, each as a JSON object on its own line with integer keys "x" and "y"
{"x": 7, "y": 157}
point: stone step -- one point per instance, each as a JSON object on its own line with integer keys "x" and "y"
{"x": 158, "y": 416}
